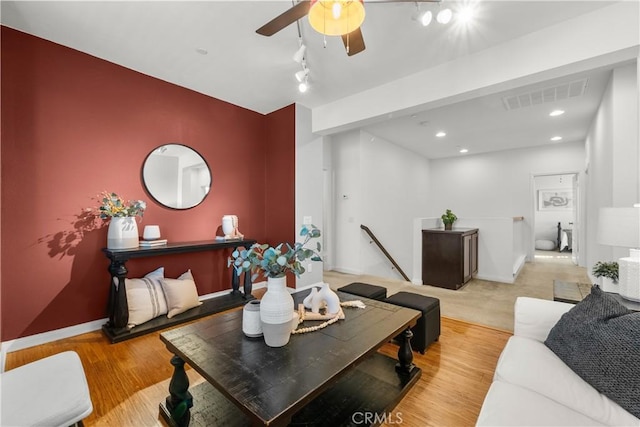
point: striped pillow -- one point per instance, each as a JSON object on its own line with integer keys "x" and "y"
{"x": 146, "y": 298}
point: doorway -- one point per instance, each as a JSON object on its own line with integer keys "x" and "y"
{"x": 556, "y": 218}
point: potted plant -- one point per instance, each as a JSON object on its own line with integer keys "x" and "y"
{"x": 607, "y": 272}
{"x": 123, "y": 229}
{"x": 276, "y": 305}
{"x": 448, "y": 218}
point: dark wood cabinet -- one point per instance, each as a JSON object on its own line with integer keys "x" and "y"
{"x": 449, "y": 257}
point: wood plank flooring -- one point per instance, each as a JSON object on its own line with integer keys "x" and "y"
{"x": 127, "y": 380}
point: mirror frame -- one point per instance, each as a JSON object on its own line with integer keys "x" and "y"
{"x": 154, "y": 197}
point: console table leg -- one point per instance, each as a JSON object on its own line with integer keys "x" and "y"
{"x": 247, "y": 284}
{"x": 235, "y": 283}
{"x": 405, "y": 353}
{"x": 118, "y": 305}
{"x": 179, "y": 400}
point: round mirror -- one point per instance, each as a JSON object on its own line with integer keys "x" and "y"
{"x": 176, "y": 176}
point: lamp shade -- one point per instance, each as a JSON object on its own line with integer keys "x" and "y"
{"x": 336, "y": 17}
{"x": 619, "y": 227}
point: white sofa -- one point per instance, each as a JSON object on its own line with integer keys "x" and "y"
{"x": 533, "y": 387}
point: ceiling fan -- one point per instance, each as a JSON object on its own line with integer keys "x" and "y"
{"x": 331, "y": 17}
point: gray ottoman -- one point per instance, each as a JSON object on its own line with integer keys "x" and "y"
{"x": 365, "y": 290}
{"x": 427, "y": 329}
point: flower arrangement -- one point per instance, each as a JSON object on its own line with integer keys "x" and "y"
{"x": 115, "y": 206}
{"x": 277, "y": 261}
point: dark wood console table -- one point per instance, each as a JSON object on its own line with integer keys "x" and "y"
{"x": 116, "y": 328}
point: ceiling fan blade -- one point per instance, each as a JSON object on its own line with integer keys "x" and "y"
{"x": 285, "y": 19}
{"x": 353, "y": 42}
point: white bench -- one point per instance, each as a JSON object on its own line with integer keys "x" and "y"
{"x": 48, "y": 392}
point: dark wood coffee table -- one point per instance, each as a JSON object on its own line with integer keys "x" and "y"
{"x": 333, "y": 376}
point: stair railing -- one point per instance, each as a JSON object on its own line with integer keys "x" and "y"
{"x": 375, "y": 240}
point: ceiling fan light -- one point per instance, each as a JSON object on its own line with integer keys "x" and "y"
{"x": 299, "y": 55}
{"x": 322, "y": 16}
{"x": 425, "y": 18}
{"x": 444, "y": 16}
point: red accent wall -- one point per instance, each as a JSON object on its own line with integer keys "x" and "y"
{"x": 73, "y": 126}
{"x": 280, "y": 179}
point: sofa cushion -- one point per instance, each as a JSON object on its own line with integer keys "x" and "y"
{"x": 599, "y": 339}
{"x": 510, "y": 405}
{"x": 530, "y": 364}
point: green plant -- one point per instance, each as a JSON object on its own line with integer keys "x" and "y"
{"x": 277, "y": 261}
{"x": 448, "y": 217}
{"x": 606, "y": 269}
{"x": 115, "y": 206}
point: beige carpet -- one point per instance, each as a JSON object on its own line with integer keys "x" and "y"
{"x": 483, "y": 302}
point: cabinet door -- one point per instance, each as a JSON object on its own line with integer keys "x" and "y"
{"x": 474, "y": 253}
{"x": 466, "y": 258}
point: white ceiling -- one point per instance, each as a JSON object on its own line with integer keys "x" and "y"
{"x": 160, "y": 38}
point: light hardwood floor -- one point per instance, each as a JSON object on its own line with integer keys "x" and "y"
{"x": 127, "y": 380}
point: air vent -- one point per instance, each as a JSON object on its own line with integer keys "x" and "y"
{"x": 543, "y": 96}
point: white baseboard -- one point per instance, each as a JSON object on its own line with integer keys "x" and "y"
{"x": 50, "y": 336}
{"x": 417, "y": 282}
{"x": 71, "y": 331}
{"x": 347, "y": 270}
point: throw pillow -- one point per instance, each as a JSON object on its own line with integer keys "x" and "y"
{"x": 599, "y": 339}
{"x": 145, "y": 297}
{"x": 181, "y": 293}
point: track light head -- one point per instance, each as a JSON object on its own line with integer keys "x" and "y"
{"x": 302, "y": 74}
{"x": 299, "y": 55}
{"x": 425, "y": 18}
{"x": 444, "y": 16}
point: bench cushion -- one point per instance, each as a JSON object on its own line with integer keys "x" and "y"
{"x": 48, "y": 392}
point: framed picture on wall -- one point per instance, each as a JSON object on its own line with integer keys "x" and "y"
{"x": 555, "y": 199}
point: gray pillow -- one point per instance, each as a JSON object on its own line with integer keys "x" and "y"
{"x": 599, "y": 339}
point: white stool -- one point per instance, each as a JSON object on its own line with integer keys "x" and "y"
{"x": 48, "y": 392}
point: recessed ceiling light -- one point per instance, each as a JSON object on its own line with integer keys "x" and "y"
{"x": 556, "y": 138}
{"x": 441, "y": 134}
{"x": 555, "y": 113}
{"x": 464, "y": 150}
{"x": 202, "y": 51}
{"x": 466, "y": 14}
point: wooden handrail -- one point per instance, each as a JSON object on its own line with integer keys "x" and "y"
{"x": 384, "y": 251}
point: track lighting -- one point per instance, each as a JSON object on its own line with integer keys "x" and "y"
{"x": 303, "y": 86}
{"x": 425, "y": 18}
{"x": 302, "y": 74}
{"x": 299, "y": 55}
{"x": 444, "y": 16}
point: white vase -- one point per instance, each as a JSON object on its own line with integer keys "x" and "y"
{"x": 276, "y": 312}
{"x": 122, "y": 233}
{"x": 227, "y": 225}
{"x": 608, "y": 285}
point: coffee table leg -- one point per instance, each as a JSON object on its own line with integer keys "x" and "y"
{"x": 179, "y": 400}
{"x": 405, "y": 353}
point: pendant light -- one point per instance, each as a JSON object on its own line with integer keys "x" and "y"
{"x": 336, "y": 17}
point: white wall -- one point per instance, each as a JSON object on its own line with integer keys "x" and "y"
{"x": 498, "y": 184}
{"x": 347, "y": 201}
{"x": 613, "y": 158}
{"x": 382, "y": 186}
{"x": 309, "y": 187}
